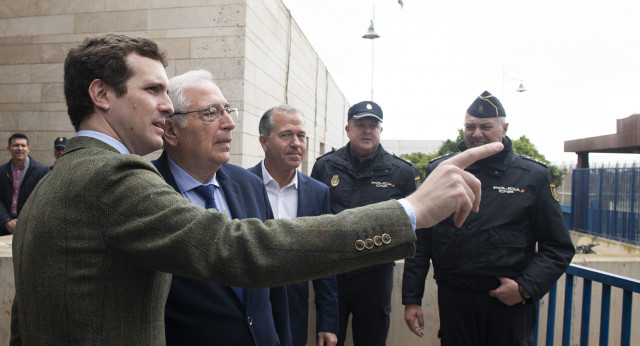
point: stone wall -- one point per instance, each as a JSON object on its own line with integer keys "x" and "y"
{"x": 254, "y": 48}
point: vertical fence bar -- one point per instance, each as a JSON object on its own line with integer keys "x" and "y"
{"x": 632, "y": 230}
{"x": 551, "y": 314}
{"x": 625, "y": 333}
{"x": 605, "y": 311}
{"x": 535, "y": 328}
{"x": 614, "y": 212}
{"x": 568, "y": 310}
{"x": 586, "y": 313}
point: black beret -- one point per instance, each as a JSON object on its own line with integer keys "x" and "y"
{"x": 486, "y": 106}
{"x": 365, "y": 109}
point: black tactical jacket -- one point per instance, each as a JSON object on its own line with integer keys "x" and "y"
{"x": 352, "y": 184}
{"x": 519, "y": 209}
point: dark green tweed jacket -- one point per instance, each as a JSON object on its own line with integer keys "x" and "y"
{"x": 97, "y": 238}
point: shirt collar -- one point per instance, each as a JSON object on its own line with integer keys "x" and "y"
{"x": 24, "y": 166}
{"x": 268, "y": 179}
{"x": 121, "y": 148}
{"x": 185, "y": 181}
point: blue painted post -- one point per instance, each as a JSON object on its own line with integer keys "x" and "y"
{"x": 568, "y": 310}
{"x": 586, "y": 313}
{"x": 605, "y": 311}
{"x": 551, "y": 315}
{"x": 625, "y": 333}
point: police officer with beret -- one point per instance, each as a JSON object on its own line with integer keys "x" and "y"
{"x": 491, "y": 270}
{"x": 358, "y": 174}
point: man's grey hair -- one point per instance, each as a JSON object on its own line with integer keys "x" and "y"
{"x": 176, "y": 94}
{"x": 266, "y": 122}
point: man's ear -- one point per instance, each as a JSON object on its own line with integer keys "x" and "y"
{"x": 98, "y": 93}
{"x": 171, "y": 132}
{"x": 263, "y": 142}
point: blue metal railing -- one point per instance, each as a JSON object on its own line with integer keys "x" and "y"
{"x": 628, "y": 286}
{"x": 604, "y": 203}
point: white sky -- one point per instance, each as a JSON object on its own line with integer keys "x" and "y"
{"x": 578, "y": 60}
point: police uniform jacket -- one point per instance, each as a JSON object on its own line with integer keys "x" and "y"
{"x": 354, "y": 184}
{"x": 519, "y": 208}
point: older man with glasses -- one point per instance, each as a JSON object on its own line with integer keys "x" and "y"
{"x": 197, "y": 141}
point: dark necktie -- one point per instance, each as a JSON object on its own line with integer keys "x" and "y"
{"x": 206, "y": 192}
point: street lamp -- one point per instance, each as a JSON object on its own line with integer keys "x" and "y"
{"x": 371, "y": 35}
{"x": 505, "y": 78}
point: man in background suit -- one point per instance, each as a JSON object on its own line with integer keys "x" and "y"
{"x": 291, "y": 193}
{"x": 93, "y": 253}
{"x": 197, "y": 139}
{"x": 18, "y": 178}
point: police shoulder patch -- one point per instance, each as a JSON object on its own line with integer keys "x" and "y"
{"x": 554, "y": 192}
{"x": 325, "y": 154}
{"x": 445, "y": 156}
{"x": 403, "y": 159}
{"x": 529, "y": 158}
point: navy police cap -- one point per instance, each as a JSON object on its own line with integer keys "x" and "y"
{"x": 486, "y": 106}
{"x": 365, "y": 109}
{"x": 60, "y": 142}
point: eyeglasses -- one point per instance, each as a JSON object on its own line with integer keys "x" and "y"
{"x": 212, "y": 113}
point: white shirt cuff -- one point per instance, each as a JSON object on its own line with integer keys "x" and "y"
{"x": 410, "y": 212}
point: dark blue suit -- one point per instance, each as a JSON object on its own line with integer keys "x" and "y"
{"x": 204, "y": 313}
{"x": 313, "y": 200}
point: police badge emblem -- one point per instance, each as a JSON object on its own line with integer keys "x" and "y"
{"x": 554, "y": 193}
{"x": 335, "y": 180}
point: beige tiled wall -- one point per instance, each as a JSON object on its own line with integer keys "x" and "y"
{"x": 256, "y": 51}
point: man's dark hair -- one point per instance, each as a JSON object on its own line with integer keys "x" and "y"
{"x": 266, "y": 121}
{"x": 102, "y": 57}
{"x": 18, "y": 135}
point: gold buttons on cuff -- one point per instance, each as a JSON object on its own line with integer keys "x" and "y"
{"x": 386, "y": 238}
{"x": 359, "y": 244}
{"x": 377, "y": 240}
{"x": 368, "y": 243}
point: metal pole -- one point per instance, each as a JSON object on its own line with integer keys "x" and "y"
{"x": 372, "y": 50}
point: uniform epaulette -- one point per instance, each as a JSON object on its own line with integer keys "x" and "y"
{"x": 403, "y": 159}
{"x": 533, "y": 159}
{"x": 325, "y": 154}
{"x": 442, "y": 156}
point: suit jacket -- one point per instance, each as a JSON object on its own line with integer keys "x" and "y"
{"x": 30, "y": 178}
{"x": 99, "y": 235}
{"x": 313, "y": 199}
{"x": 200, "y": 312}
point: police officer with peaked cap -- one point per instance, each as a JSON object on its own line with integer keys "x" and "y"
{"x": 504, "y": 258}
{"x": 358, "y": 174}
{"x": 59, "y": 145}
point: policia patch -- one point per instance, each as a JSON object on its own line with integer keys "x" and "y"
{"x": 554, "y": 193}
{"x": 335, "y": 180}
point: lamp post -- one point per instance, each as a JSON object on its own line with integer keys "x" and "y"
{"x": 371, "y": 35}
{"x": 506, "y": 78}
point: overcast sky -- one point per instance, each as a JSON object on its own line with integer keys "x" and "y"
{"x": 578, "y": 60}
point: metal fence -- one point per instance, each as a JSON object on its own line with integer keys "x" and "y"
{"x": 628, "y": 286}
{"x": 606, "y": 202}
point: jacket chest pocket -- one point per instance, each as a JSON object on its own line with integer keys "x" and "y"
{"x": 509, "y": 246}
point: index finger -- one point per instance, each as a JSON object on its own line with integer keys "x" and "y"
{"x": 469, "y": 156}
